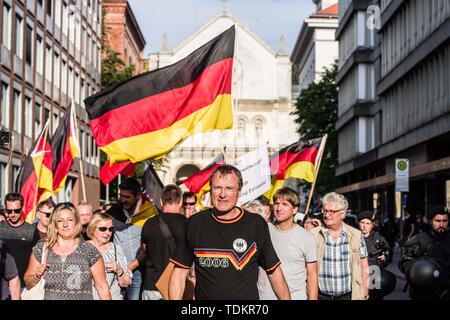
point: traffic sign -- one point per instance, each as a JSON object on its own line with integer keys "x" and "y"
{"x": 402, "y": 175}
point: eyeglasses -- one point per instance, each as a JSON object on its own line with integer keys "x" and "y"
{"x": 13, "y": 210}
{"x": 47, "y": 214}
{"x": 330, "y": 212}
{"x": 228, "y": 190}
{"x": 103, "y": 229}
{"x": 188, "y": 204}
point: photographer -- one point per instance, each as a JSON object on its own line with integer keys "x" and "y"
{"x": 378, "y": 249}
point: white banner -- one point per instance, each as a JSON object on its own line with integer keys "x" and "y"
{"x": 255, "y": 170}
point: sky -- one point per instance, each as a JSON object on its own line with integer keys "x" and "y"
{"x": 269, "y": 19}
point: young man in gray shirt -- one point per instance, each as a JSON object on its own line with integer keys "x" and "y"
{"x": 296, "y": 249}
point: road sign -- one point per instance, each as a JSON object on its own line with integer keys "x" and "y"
{"x": 402, "y": 175}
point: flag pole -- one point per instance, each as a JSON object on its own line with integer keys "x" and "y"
{"x": 36, "y": 191}
{"x": 75, "y": 122}
{"x": 316, "y": 173}
{"x": 224, "y": 154}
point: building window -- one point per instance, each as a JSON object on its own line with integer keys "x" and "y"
{"x": 55, "y": 122}
{"x": 4, "y": 105}
{"x": 241, "y": 128}
{"x": 37, "y": 119}
{"x": 29, "y": 42}
{"x": 17, "y": 111}
{"x": 19, "y": 36}
{"x": 6, "y": 26}
{"x": 4, "y": 181}
{"x": 48, "y": 62}
{"x": 39, "y": 54}
{"x": 56, "y": 71}
{"x": 48, "y": 7}
{"x": 28, "y": 117}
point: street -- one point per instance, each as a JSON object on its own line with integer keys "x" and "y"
{"x": 398, "y": 293}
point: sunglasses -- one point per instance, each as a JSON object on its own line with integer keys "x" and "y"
{"x": 13, "y": 210}
{"x": 188, "y": 203}
{"x": 103, "y": 229}
{"x": 47, "y": 214}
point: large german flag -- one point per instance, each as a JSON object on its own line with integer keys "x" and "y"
{"x": 298, "y": 160}
{"x": 65, "y": 148}
{"x": 32, "y": 172}
{"x": 148, "y": 115}
{"x": 198, "y": 183}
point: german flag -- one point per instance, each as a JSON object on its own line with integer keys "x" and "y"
{"x": 65, "y": 148}
{"x": 108, "y": 172}
{"x": 198, "y": 183}
{"x": 31, "y": 173}
{"x": 298, "y": 160}
{"x": 148, "y": 115}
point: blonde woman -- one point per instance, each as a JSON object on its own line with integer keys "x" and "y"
{"x": 72, "y": 264}
{"x": 100, "y": 230}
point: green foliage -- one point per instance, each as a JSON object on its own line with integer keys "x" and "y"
{"x": 316, "y": 113}
{"x": 114, "y": 69}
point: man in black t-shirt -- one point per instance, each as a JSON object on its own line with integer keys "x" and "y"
{"x": 154, "y": 243}
{"x": 227, "y": 244}
{"x": 18, "y": 235}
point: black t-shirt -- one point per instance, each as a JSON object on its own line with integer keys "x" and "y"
{"x": 157, "y": 246}
{"x": 20, "y": 241}
{"x": 8, "y": 270}
{"x": 227, "y": 254}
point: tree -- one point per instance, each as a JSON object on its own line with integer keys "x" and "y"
{"x": 316, "y": 113}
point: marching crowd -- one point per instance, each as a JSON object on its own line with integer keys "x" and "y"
{"x": 129, "y": 250}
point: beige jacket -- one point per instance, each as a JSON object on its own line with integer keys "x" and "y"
{"x": 355, "y": 257}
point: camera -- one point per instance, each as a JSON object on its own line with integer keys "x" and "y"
{"x": 381, "y": 249}
{"x": 5, "y": 137}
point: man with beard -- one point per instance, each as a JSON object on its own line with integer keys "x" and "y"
{"x": 130, "y": 215}
{"x": 432, "y": 245}
{"x": 227, "y": 244}
{"x": 18, "y": 235}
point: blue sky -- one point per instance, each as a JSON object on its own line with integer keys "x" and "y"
{"x": 269, "y": 19}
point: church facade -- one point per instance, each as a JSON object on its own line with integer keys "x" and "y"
{"x": 261, "y": 94}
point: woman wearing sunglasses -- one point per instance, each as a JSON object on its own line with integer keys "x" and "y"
{"x": 71, "y": 264}
{"x": 100, "y": 230}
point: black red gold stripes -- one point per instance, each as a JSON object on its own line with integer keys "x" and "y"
{"x": 147, "y": 115}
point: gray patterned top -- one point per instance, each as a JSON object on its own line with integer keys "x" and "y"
{"x": 69, "y": 277}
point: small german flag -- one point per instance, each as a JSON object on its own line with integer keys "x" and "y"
{"x": 108, "y": 172}
{"x": 65, "y": 148}
{"x": 198, "y": 183}
{"x": 148, "y": 115}
{"x": 298, "y": 160}
{"x": 31, "y": 174}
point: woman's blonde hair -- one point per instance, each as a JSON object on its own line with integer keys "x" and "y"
{"x": 95, "y": 221}
{"x": 52, "y": 229}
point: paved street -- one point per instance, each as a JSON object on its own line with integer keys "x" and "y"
{"x": 398, "y": 293}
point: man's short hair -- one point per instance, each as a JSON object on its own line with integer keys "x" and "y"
{"x": 189, "y": 194}
{"x": 438, "y": 209}
{"x": 171, "y": 194}
{"x": 14, "y": 196}
{"x": 85, "y": 204}
{"x": 263, "y": 200}
{"x": 336, "y": 198}
{"x": 48, "y": 202}
{"x": 226, "y": 169}
{"x": 131, "y": 184}
{"x": 289, "y": 195}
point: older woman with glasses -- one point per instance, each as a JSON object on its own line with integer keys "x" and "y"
{"x": 71, "y": 263}
{"x": 100, "y": 230}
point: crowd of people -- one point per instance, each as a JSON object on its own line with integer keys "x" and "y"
{"x": 254, "y": 251}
